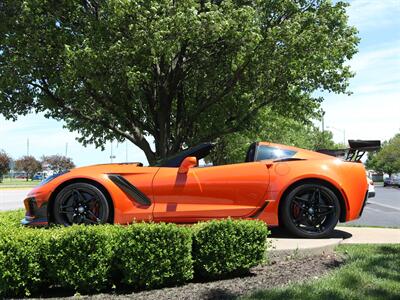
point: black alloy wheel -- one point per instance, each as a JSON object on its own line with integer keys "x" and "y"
{"x": 311, "y": 211}
{"x": 80, "y": 203}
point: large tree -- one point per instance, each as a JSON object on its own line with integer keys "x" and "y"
{"x": 57, "y": 163}
{"x": 273, "y": 127}
{"x": 387, "y": 159}
{"x": 29, "y": 165}
{"x": 176, "y": 72}
{"x": 5, "y": 161}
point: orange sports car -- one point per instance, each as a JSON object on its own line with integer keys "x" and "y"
{"x": 305, "y": 191}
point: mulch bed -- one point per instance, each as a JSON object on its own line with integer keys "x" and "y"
{"x": 275, "y": 274}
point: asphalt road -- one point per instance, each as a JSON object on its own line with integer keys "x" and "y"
{"x": 12, "y": 199}
{"x": 383, "y": 210}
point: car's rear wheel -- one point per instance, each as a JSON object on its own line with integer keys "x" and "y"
{"x": 80, "y": 203}
{"x": 311, "y": 211}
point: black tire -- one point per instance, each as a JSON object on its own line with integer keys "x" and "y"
{"x": 80, "y": 203}
{"x": 384, "y": 185}
{"x": 310, "y": 211}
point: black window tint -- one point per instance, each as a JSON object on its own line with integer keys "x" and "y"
{"x": 267, "y": 152}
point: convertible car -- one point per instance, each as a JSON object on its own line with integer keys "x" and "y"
{"x": 305, "y": 191}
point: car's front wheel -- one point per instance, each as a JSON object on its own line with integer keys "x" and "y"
{"x": 310, "y": 211}
{"x": 80, "y": 203}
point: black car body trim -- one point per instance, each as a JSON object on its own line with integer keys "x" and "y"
{"x": 129, "y": 189}
{"x": 34, "y": 215}
{"x": 364, "y": 203}
{"x": 260, "y": 210}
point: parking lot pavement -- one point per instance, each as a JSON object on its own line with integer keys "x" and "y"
{"x": 382, "y": 210}
{"x": 12, "y": 199}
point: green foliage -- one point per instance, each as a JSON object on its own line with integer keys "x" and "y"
{"x": 154, "y": 255}
{"x": 5, "y": 161}
{"x": 371, "y": 272}
{"x": 227, "y": 246}
{"x": 57, "y": 163}
{"x": 386, "y": 160}
{"x": 80, "y": 257}
{"x": 138, "y": 256}
{"x": 29, "y": 165}
{"x": 272, "y": 127}
{"x": 22, "y": 260}
{"x": 180, "y": 72}
{"x": 11, "y": 219}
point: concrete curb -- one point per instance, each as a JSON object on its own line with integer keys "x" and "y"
{"x": 371, "y": 235}
{"x": 284, "y": 246}
{"x": 302, "y": 247}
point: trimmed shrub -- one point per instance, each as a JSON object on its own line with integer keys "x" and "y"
{"x": 22, "y": 261}
{"x": 11, "y": 218}
{"x": 80, "y": 257}
{"x": 227, "y": 246}
{"x": 138, "y": 256}
{"x": 154, "y": 255}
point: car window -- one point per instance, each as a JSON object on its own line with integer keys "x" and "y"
{"x": 267, "y": 152}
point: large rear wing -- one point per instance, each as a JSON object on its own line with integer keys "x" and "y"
{"x": 356, "y": 150}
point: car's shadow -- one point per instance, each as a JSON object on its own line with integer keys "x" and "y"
{"x": 282, "y": 233}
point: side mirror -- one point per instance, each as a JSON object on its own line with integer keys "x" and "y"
{"x": 187, "y": 163}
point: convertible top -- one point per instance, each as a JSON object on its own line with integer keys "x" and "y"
{"x": 199, "y": 151}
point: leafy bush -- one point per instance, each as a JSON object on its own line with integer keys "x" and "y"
{"x": 80, "y": 257}
{"x": 227, "y": 246}
{"x": 11, "y": 218}
{"x": 22, "y": 260}
{"x": 153, "y": 255}
{"x": 141, "y": 255}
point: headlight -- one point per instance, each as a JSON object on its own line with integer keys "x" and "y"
{"x": 50, "y": 178}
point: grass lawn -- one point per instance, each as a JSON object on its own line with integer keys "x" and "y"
{"x": 18, "y": 183}
{"x": 370, "y": 272}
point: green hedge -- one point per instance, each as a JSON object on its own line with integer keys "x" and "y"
{"x": 11, "y": 218}
{"x": 22, "y": 261}
{"x": 151, "y": 255}
{"x": 138, "y": 256}
{"x": 80, "y": 257}
{"x": 228, "y": 246}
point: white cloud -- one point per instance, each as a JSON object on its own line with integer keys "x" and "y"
{"x": 373, "y": 13}
{"x": 364, "y": 116}
{"x": 386, "y": 55}
{"x": 373, "y": 110}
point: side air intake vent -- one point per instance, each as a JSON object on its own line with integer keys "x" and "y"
{"x": 130, "y": 189}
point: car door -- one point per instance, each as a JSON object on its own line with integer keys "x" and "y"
{"x": 209, "y": 192}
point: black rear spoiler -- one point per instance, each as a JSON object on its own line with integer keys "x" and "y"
{"x": 356, "y": 150}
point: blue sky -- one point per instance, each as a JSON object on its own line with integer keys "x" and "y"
{"x": 371, "y": 112}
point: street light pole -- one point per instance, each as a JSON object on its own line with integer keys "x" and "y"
{"x": 126, "y": 151}
{"x": 111, "y": 155}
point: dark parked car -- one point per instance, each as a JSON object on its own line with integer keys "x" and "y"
{"x": 392, "y": 181}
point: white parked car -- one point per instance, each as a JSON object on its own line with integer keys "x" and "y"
{"x": 371, "y": 188}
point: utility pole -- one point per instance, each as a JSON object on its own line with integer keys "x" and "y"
{"x": 111, "y": 155}
{"x": 66, "y": 149}
{"x": 323, "y": 129}
{"x": 126, "y": 151}
{"x": 27, "y": 146}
